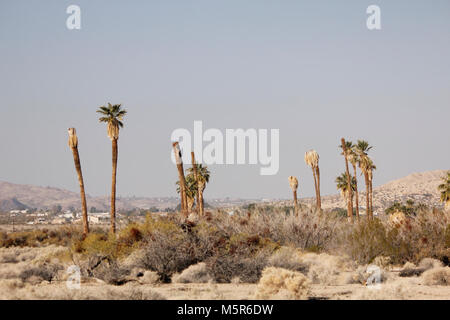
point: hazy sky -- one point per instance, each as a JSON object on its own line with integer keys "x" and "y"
{"x": 309, "y": 68}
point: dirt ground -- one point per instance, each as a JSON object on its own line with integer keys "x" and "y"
{"x": 401, "y": 290}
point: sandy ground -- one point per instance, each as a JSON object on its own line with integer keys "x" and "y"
{"x": 405, "y": 288}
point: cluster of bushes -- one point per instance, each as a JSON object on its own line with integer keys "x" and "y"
{"x": 243, "y": 244}
{"x": 39, "y": 237}
{"x": 426, "y": 234}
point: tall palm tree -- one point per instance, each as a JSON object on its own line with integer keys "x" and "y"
{"x": 73, "y": 144}
{"x": 342, "y": 185}
{"x": 203, "y": 175}
{"x": 362, "y": 148}
{"x": 353, "y": 158}
{"x": 113, "y": 115}
{"x": 194, "y": 167}
{"x": 370, "y": 168}
{"x": 293, "y": 183}
{"x": 312, "y": 160}
{"x": 444, "y": 189}
{"x": 350, "y": 193}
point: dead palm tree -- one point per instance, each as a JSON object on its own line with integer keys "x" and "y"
{"x": 182, "y": 179}
{"x": 312, "y": 160}
{"x": 344, "y": 146}
{"x": 73, "y": 144}
{"x": 353, "y": 158}
{"x": 444, "y": 189}
{"x": 362, "y": 148}
{"x": 113, "y": 115}
{"x": 293, "y": 183}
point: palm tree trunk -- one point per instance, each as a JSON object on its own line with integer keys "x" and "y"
{"x": 295, "y": 203}
{"x": 366, "y": 178}
{"x": 319, "y": 201}
{"x": 179, "y": 162}
{"x": 371, "y": 198}
{"x": 356, "y": 193}
{"x": 349, "y": 184}
{"x": 201, "y": 205}
{"x": 76, "y": 158}
{"x": 315, "y": 182}
{"x": 113, "y": 186}
{"x": 194, "y": 166}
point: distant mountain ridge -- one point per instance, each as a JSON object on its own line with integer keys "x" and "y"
{"x": 417, "y": 186}
{"x": 19, "y": 197}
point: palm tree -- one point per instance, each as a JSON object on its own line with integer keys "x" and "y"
{"x": 113, "y": 115}
{"x": 202, "y": 179}
{"x": 342, "y": 185}
{"x": 194, "y": 167}
{"x": 353, "y": 158}
{"x": 293, "y": 182}
{"x": 370, "y": 168}
{"x": 362, "y": 148}
{"x": 444, "y": 189}
{"x": 73, "y": 144}
{"x": 181, "y": 177}
{"x": 191, "y": 191}
{"x": 350, "y": 194}
{"x": 312, "y": 160}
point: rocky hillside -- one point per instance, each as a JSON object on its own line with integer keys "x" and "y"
{"x": 419, "y": 187}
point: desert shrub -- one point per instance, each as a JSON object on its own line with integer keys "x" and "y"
{"x": 101, "y": 244}
{"x": 149, "y": 277}
{"x": 62, "y": 236}
{"x": 310, "y": 230}
{"x": 287, "y": 258}
{"x": 44, "y": 272}
{"x": 429, "y": 263}
{"x": 170, "y": 246}
{"x": 167, "y": 253}
{"x": 248, "y": 268}
{"x": 324, "y": 268}
{"x": 278, "y": 283}
{"x": 243, "y": 256}
{"x": 366, "y": 240}
{"x": 437, "y": 276}
{"x": 197, "y": 273}
{"x": 108, "y": 271}
{"x": 9, "y": 258}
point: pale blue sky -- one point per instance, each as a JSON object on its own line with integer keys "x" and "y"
{"x": 308, "y": 68}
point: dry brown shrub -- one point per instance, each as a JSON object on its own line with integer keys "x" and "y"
{"x": 439, "y": 276}
{"x": 278, "y": 283}
{"x": 197, "y": 273}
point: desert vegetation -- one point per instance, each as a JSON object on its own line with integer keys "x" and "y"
{"x": 268, "y": 252}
